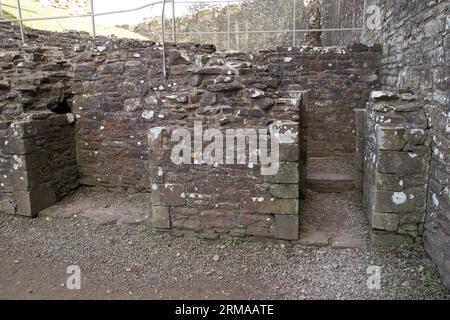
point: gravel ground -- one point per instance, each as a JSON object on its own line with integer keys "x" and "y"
{"x": 127, "y": 261}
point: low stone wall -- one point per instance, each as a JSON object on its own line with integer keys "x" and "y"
{"x": 231, "y": 198}
{"x": 397, "y": 167}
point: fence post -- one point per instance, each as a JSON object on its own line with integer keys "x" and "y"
{"x": 364, "y": 21}
{"x": 294, "y": 23}
{"x": 22, "y": 34}
{"x": 174, "y": 22}
{"x": 93, "y": 18}
{"x": 163, "y": 30}
{"x": 228, "y": 26}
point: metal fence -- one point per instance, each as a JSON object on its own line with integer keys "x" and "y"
{"x": 92, "y": 15}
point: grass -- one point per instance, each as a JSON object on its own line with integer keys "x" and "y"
{"x": 229, "y": 243}
{"x": 32, "y": 9}
{"x": 407, "y": 246}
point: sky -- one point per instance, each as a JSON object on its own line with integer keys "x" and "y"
{"x": 137, "y": 16}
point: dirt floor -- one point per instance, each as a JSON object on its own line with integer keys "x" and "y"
{"x": 110, "y": 238}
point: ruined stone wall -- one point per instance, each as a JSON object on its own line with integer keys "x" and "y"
{"x": 415, "y": 58}
{"x": 126, "y": 112}
{"x": 397, "y": 168}
{"x": 119, "y": 93}
{"x": 37, "y": 145}
{"x": 338, "y": 80}
{"x": 115, "y": 84}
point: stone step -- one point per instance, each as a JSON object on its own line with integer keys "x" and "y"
{"x": 330, "y": 182}
{"x": 330, "y": 175}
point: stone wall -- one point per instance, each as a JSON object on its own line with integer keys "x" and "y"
{"x": 121, "y": 96}
{"x": 415, "y": 58}
{"x": 397, "y": 168}
{"x": 37, "y": 145}
{"x": 119, "y": 92}
{"x": 338, "y": 79}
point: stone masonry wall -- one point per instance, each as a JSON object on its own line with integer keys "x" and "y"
{"x": 416, "y": 58}
{"x": 397, "y": 168}
{"x": 119, "y": 93}
{"x": 115, "y": 84}
{"x": 37, "y": 145}
{"x": 121, "y": 97}
{"x": 338, "y": 79}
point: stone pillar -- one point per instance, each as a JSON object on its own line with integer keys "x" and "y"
{"x": 396, "y": 168}
{"x": 29, "y": 195}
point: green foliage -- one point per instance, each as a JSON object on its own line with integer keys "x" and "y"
{"x": 407, "y": 246}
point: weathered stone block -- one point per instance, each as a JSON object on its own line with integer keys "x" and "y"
{"x": 168, "y": 195}
{"x": 161, "y": 217}
{"x": 26, "y": 180}
{"x": 287, "y": 173}
{"x": 286, "y": 227}
{"x": 384, "y": 239}
{"x": 402, "y": 162}
{"x": 272, "y": 206}
{"x": 192, "y": 224}
{"x": 395, "y": 182}
{"x": 289, "y": 152}
{"x": 30, "y": 203}
{"x": 393, "y": 139}
{"x": 409, "y": 200}
{"x": 7, "y": 206}
{"x": 385, "y": 221}
{"x": 258, "y": 231}
{"x": 284, "y": 191}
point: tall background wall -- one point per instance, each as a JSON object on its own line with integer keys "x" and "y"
{"x": 416, "y": 58}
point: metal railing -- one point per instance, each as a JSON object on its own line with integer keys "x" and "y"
{"x": 228, "y": 32}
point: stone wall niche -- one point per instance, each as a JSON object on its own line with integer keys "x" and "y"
{"x": 396, "y": 168}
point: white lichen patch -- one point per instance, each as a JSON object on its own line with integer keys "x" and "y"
{"x": 435, "y": 200}
{"x": 399, "y": 198}
{"x": 19, "y": 162}
{"x": 148, "y": 114}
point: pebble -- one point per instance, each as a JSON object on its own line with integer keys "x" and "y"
{"x": 216, "y": 258}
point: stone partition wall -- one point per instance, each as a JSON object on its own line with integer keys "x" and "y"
{"x": 397, "y": 167}
{"x": 415, "y": 58}
{"x": 231, "y": 199}
{"x": 119, "y": 91}
{"x": 37, "y": 145}
{"x": 338, "y": 79}
{"x": 121, "y": 94}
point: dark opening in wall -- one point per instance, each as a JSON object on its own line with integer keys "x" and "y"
{"x": 63, "y": 107}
